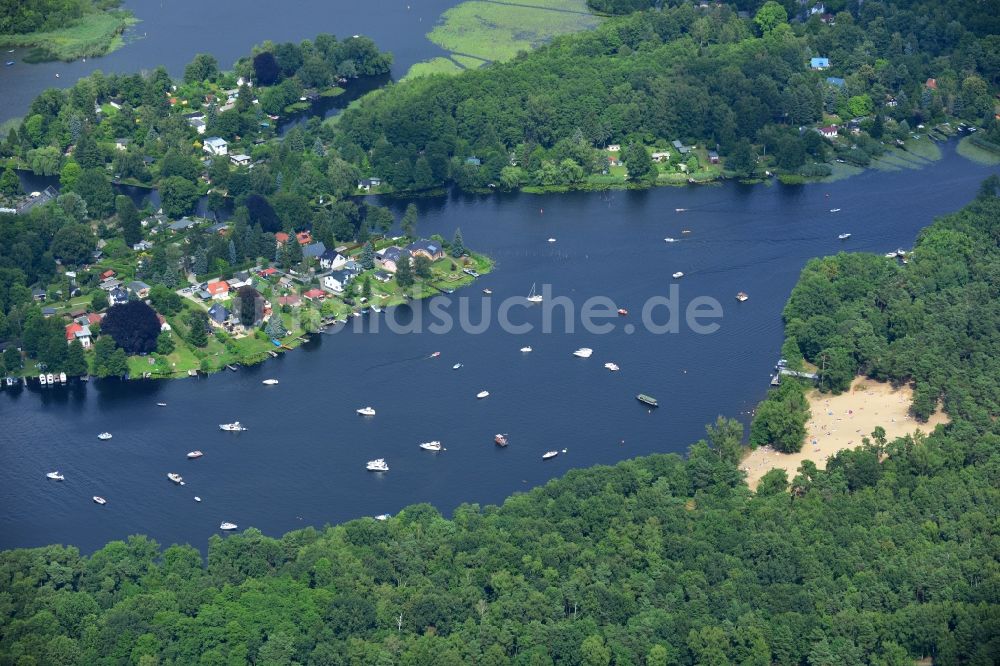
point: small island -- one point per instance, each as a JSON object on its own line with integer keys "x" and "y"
{"x": 65, "y": 29}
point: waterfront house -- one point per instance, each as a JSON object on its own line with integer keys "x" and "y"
{"x": 390, "y": 257}
{"x": 660, "y": 155}
{"x": 713, "y": 157}
{"x": 829, "y": 131}
{"x": 304, "y": 238}
{"x": 315, "y": 294}
{"x": 332, "y": 260}
{"x": 218, "y": 315}
{"x": 427, "y": 248}
{"x": 819, "y": 63}
{"x": 681, "y": 148}
{"x": 216, "y": 146}
{"x": 280, "y": 238}
{"x": 181, "y": 224}
{"x": 139, "y": 288}
{"x": 142, "y": 246}
{"x": 614, "y": 161}
{"x": 79, "y": 332}
{"x": 367, "y": 184}
{"x": 217, "y": 228}
{"x": 117, "y": 296}
{"x": 239, "y": 159}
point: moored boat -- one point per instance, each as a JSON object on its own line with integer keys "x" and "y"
{"x": 55, "y": 476}
{"x": 647, "y": 400}
{"x": 50, "y": 378}
{"x": 548, "y": 455}
{"x": 194, "y": 454}
{"x": 678, "y": 275}
{"x": 99, "y": 500}
{"x": 483, "y": 394}
{"x": 366, "y": 411}
{"x": 42, "y": 380}
{"x": 500, "y": 439}
{"x": 228, "y": 526}
{"x": 269, "y": 382}
{"x": 176, "y": 478}
{"x": 742, "y": 296}
{"x": 432, "y": 446}
{"x": 843, "y": 236}
{"x": 377, "y": 465}
{"x": 104, "y": 436}
{"x": 235, "y": 426}
{"x": 161, "y": 404}
{"x": 487, "y": 291}
{"x": 668, "y": 239}
{"x": 583, "y": 352}
{"x": 526, "y": 350}
{"x": 534, "y": 297}
{"x": 383, "y": 516}
{"x": 613, "y": 367}
{"x": 622, "y": 312}
{"x": 456, "y": 366}
{"x": 62, "y": 377}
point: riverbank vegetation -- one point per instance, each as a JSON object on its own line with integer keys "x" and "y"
{"x": 763, "y": 94}
{"x": 64, "y": 29}
{"x": 659, "y": 560}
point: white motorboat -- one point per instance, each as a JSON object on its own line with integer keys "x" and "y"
{"x": 377, "y": 465}
{"x": 161, "y": 404}
{"x": 197, "y": 499}
{"x": 99, "y": 500}
{"x": 269, "y": 382}
{"x": 843, "y": 236}
{"x": 891, "y": 255}
{"x": 500, "y": 439}
{"x": 456, "y": 366}
{"x": 228, "y": 526}
{"x": 432, "y": 446}
{"x": 55, "y": 476}
{"x": 383, "y": 516}
{"x": 104, "y": 436}
{"x": 487, "y": 291}
{"x": 552, "y": 240}
{"x": 834, "y": 210}
{"x": 526, "y": 350}
{"x": 742, "y": 297}
{"x": 583, "y": 352}
{"x": 62, "y": 377}
{"x": 549, "y": 454}
{"x": 534, "y": 297}
{"x": 194, "y": 454}
{"x": 482, "y": 394}
{"x": 50, "y": 378}
{"x": 613, "y": 367}
{"x": 176, "y": 478}
{"x": 366, "y": 411}
{"x": 235, "y": 426}
{"x": 678, "y": 275}
{"x": 668, "y": 239}
{"x": 42, "y": 380}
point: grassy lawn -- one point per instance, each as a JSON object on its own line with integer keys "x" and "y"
{"x": 434, "y": 66}
{"x": 970, "y": 151}
{"x": 498, "y": 31}
{"x": 93, "y": 34}
{"x": 923, "y": 147}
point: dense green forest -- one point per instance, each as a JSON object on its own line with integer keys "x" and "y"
{"x": 19, "y": 17}
{"x": 698, "y": 75}
{"x": 887, "y": 556}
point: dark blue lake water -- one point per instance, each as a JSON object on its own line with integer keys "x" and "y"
{"x": 302, "y": 460}
{"x": 172, "y": 32}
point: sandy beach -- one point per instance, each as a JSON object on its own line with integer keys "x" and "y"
{"x": 839, "y": 422}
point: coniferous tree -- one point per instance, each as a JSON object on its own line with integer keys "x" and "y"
{"x": 128, "y": 218}
{"x": 368, "y": 257}
{"x": 404, "y": 272}
{"x": 457, "y": 244}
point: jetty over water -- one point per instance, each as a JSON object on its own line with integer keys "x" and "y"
{"x": 782, "y": 370}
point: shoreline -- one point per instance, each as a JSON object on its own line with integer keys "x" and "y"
{"x": 839, "y": 422}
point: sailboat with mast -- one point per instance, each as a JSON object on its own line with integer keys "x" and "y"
{"x": 533, "y": 296}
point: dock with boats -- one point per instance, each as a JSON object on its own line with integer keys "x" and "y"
{"x": 781, "y": 369}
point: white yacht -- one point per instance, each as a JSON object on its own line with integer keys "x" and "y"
{"x": 194, "y": 454}
{"x": 678, "y": 275}
{"x": 668, "y": 239}
{"x": 583, "y": 352}
{"x": 235, "y": 426}
{"x": 62, "y": 377}
{"x": 844, "y": 236}
{"x": 161, "y": 404}
{"x": 99, "y": 500}
{"x": 366, "y": 411}
{"x": 613, "y": 367}
{"x": 42, "y": 380}
{"x": 50, "y": 378}
{"x": 456, "y": 366}
{"x": 176, "y": 478}
{"x": 534, "y": 297}
{"x": 549, "y": 454}
{"x": 269, "y": 382}
{"x": 104, "y": 436}
{"x": 228, "y": 526}
{"x": 377, "y": 465}
{"x": 834, "y": 210}
{"x": 197, "y": 499}
{"x": 55, "y": 476}
{"x": 432, "y": 446}
{"x": 526, "y": 350}
{"x": 552, "y": 240}
{"x": 483, "y": 394}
